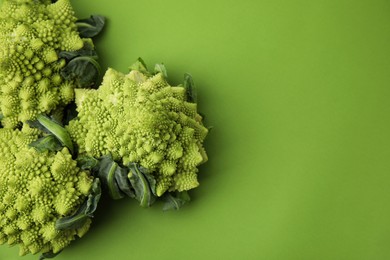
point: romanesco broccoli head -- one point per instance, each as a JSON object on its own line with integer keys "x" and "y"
{"x": 36, "y": 190}
{"x": 32, "y": 34}
{"x": 140, "y": 118}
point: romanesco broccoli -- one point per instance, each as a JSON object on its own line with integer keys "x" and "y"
{"x": 32, "y": 36}
{"x": 140, "y": 118}
{"x": 36, "y": 190}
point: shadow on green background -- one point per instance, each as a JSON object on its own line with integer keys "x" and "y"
{"x": 297, "y": 92}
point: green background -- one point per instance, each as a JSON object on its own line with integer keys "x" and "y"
{"x": 298, "y": 94}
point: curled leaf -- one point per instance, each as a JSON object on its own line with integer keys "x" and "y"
{"x": 160, "y": 68}
{"x": 90, "y": 27}
{"x": 49, "y": 254}
{"x": 189, "y": 85}
{"x": 93, "y": 198}
{"x": 175, "y": 200}
{"x": 107, "y": 171}
{"x": 88, "y": 49}
{"x": 86, "y": 162}
{"x": 123, "y": 182}
{"x": 140, "y": 66}
{"x": 48, "y": 125}
{"x": 143, "y": 185}
{"x": 47, "y": 143}
{"x": 83, "y": 70}
{"x": 82, "y": 66}
{"x": 85, "y": 211}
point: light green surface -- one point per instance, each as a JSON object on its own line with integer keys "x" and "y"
{"x": 298, "y": 94}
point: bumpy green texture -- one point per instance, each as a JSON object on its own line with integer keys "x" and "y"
{"x": 140, "y": 118}
{"x": 37, "y": 189}
{"x": 32, "y": 33}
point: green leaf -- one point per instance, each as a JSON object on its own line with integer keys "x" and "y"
{"x": 90, "y": 27}
{"x": 160, "y": 68}
{"x": 141, "y": 182}
{"x": 56, "y": 129}
{"x": 84, "y": 70}
{"x": 175, "y": 200}
{"x": 88, "y": 49}
{"x": 47, "y": 143}
{"x": 189, "y": 85}
{"x": 37, "y": 125}
{"x": 123, "y": 182}
{"x": 140, "y": 66}
{"x": 53, "y": 128}
{"x": 82, "y": 66}
{"x": 75, "y": 221}
{"x": 93, "y": 198}
{"x": 86, "y": 162}
{"x": 150, "y": 179}
{"x": 85, "y": 211}
{"x": 107, "y": 171}
{"x": 49, "y": 254}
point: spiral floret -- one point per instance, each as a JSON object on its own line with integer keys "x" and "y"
{"x": 37, "y": 189}
{"x": 32, "y": 34}
{"x": 140, "y": 118}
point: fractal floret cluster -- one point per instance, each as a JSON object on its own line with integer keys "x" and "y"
{"x": 63, "y": 142}
{"x": 37, "y": 189}
{"x": 140, "y": 118}
{"x": 32, "y": 33}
